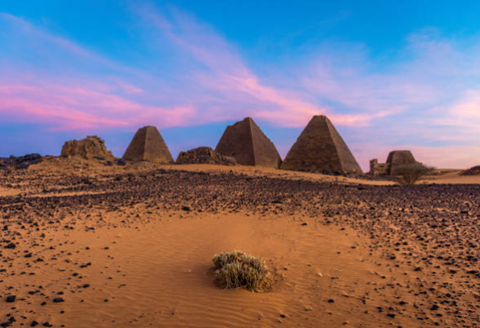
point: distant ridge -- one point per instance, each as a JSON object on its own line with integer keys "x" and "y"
{"x": 148, "y": 145}
{"x": 320, "y": 148}
{"x": 245, "y": 142}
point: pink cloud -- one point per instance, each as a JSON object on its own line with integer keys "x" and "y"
{"x": 229, "y": 74}
{"x": 81, "y": 107}
{"x": 209, "y": 81}
{"x": 110, "y": 100}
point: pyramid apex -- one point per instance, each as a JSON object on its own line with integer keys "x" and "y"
{"x": 320, "y": 117}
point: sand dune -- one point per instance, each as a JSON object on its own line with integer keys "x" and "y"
{"x": 117, "y": 247}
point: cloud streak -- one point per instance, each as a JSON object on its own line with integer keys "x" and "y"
{"x": 427, "y": 98}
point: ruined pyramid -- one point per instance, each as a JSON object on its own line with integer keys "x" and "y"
{"x": 320, "y": 148}
{"x": 398, "y": 158}
{"x": 148, "y": 145}
{"x": 245, "y": 142}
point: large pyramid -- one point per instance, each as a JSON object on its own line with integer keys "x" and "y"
{"x": 320, "y": 148}
{"x": 245, "y": 142}
{"x": 148, "y": 145}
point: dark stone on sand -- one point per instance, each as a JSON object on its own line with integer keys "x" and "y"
{"x": 11, "y": 246}
{"x": 11, "y": 298}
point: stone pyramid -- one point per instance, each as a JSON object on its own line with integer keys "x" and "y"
{"x": 398, "y": 158}
{"x": 245, "y": 142}
{"x": 148, "y": 145}
{"x": 320, "y": 148}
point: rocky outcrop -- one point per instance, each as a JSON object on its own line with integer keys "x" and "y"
{"x": 204, "y": 155}
{"x": 89, "y": 148}
{"x": 472, "y": 171}
{"x": 21, "y": 162}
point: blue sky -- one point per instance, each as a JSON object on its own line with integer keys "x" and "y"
{"x": 389, "y": 74}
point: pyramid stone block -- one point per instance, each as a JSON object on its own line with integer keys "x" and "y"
{"x": 148, "y": 145}
{"x": 245, "y": 142}
{"x": 320, "y": 148}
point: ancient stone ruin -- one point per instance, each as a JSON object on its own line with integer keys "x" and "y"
{"x": 89, "y": 148}
{"x": 148, "y": 145}
{"x": 204, "y": 155}
{"x": 245, "y": 142}
{"x": 320, "y": 148}
{"x": 395, "y": 159}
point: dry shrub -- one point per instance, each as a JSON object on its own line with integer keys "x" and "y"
{"x": 412, "y": 172}
{"x": 237, "y": 269}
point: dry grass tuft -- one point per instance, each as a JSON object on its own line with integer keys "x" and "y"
{"x": 411, "y": 173}
{"x": 237, "y": 269}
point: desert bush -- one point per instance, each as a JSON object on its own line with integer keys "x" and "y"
{"x": 237, "y": 269}
{"x": 412, "y": 172}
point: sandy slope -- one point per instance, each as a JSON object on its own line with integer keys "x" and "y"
{"x": 156, "y": 274}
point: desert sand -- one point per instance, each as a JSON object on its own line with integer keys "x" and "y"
{"x": 84, "y": 244}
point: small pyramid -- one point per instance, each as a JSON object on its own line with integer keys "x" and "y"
{"x": 148, "y": 145}
{"x": 398, "y": 158}
{"x": 320, "y": 148}
{"x": 245, "y": 142}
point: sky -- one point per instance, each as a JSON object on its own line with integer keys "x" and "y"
{"x": 390, "y": 75}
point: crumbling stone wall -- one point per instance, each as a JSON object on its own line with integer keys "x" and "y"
{"x": 88, "y": 148}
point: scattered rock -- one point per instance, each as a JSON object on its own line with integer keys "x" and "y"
{"x": 11, "y": 299}
{"x": 204, "y": 155}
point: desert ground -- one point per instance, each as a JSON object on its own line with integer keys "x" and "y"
{"x": 83, "y": 244}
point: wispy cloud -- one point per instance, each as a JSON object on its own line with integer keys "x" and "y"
{"x": 425, "y": 97}
{"x": 225, "y": 72}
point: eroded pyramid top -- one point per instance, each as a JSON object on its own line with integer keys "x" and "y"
{"x": 245, "y": 142}
{"x": 148, "y": 145}
{"x": 398, "y": 158}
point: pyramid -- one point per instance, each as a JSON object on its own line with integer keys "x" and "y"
{"x": 398, "y": 158}
{"x": 148, "y": 145}
{"x": 320, "y": 148}
{"x": 245, "y": 142}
